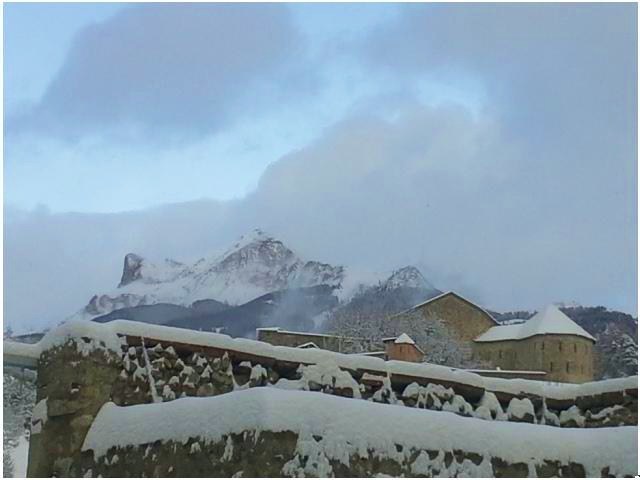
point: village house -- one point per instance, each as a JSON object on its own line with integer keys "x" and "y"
{"x": 402, "y": 348}
{"x": 549, "y": 343}
{"x": 549, "y": 346}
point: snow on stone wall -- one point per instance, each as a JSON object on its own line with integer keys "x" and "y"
{"x": 138, "y": 364}
{"x": 331, "y": 431}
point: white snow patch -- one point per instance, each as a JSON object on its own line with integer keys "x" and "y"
{"x": 519, "y": 408}
{"x": 351, "y": 427}
{"x": 404, "y": 338}
{"x": 570, "y": 414}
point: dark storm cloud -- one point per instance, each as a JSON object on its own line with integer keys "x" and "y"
{"x": 169, "y": 70}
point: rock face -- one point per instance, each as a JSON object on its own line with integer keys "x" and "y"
{"x": 132, "y": 269}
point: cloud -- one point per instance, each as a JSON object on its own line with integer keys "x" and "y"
{"x": 440, "y": 187}
{"x": 167, "y": 71}
{"x": 55, "y": 262}
{"x": 525, "y": 199}
{"x": 552, "y": 72}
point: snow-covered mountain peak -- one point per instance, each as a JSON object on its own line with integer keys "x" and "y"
{"x": 257, "y": 247}
{"x": 255, "y": 236}
{"x": 409, "y": 277}
{"x": 138, "y": 269}
{"x": 256, "y": 264}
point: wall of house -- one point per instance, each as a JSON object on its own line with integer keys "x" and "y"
{"x": 402, "y": 351}
{"x": 333, "y": 343}
{"x": 463, "y": 318}
{"x": 565, "y": 358}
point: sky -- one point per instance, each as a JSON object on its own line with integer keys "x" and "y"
{"x": 493, "y": 146}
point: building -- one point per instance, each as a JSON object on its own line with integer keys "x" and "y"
{"x": 335, "y": 343}
{"x": 549, "y": 341}
{"x": 395, "y": 348}
{"x": 549, "y": 346}
{"x": 402, "y": 348}
{"x": 462, "y": 319}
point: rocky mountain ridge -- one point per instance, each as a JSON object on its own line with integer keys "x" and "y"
{"x": 255, "y": 265}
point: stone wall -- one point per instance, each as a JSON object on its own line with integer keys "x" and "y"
{"x": 565, "y": 358}
{"x": 76, "y": 378}
{"x": 264, "y": 454}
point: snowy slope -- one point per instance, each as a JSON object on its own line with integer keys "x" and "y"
{"x": 255, "y": 265}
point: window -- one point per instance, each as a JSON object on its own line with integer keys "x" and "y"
{"x": 551, "y": 366}
{"x": 567, "y": 367}
{"x": 542, "y": 348}
{"x": 575, "y": 348}
{"x": 559, "y": 346}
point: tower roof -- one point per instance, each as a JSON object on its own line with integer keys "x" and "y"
{"x": 549, "y": 320}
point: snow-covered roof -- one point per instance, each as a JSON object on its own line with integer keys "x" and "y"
{"x": 404, "y": 338}
{"x": 499, "y": 370}
{"x": 549, "y": 320}
{"x": 371, "y": 354}
{"x": 304, "y": 334}
{"x": 351, "y": 426}
{"x": 442, "y": 295}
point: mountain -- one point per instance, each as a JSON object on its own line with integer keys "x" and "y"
{"x": 403, "y": 289}
{"x": 255, "y": 265}
{"x": 407, "y": 277}
{"x": 291, "y": 308}
{"x": 257, "y": 282}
